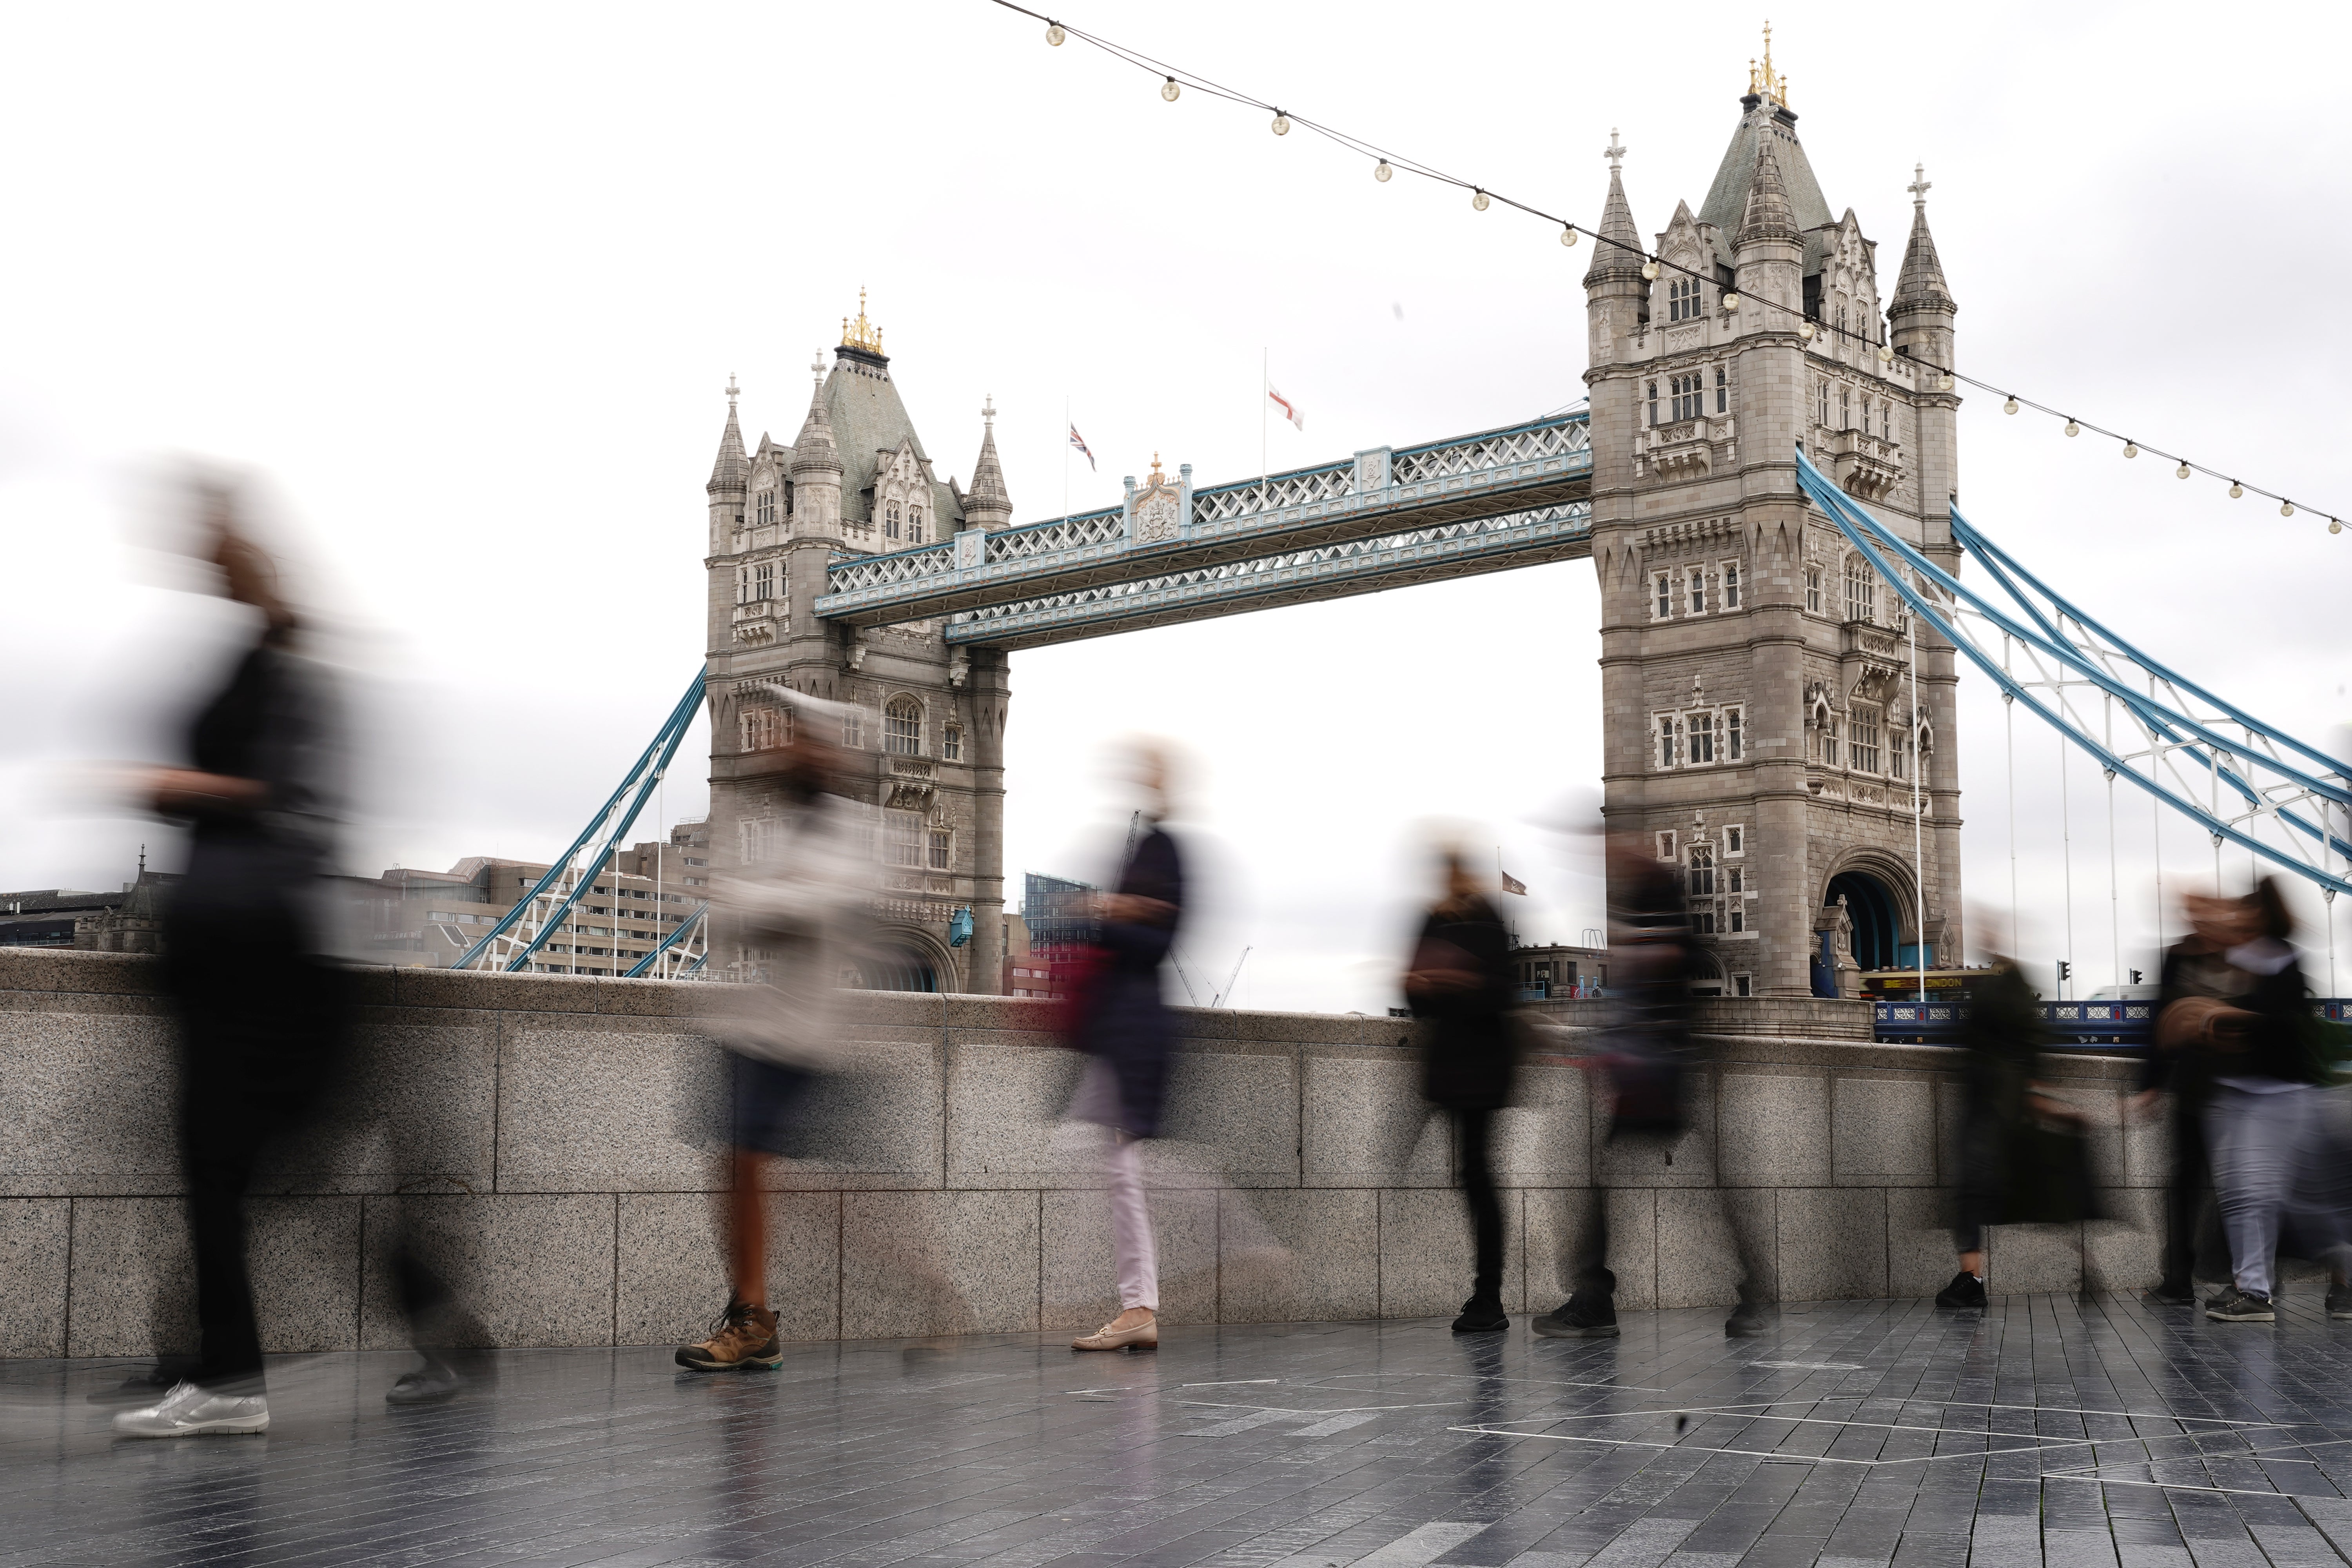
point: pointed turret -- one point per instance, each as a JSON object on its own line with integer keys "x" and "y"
{"x": 816, "y": 465}
{"x": 1768, "y": 216}
{"x": 1921, "y": 285}
{"x": 727, "y": 477}
{"x": 1620, "y": 252}
{"x": 1768, "y": 250}
{"x": 987, "y": 505}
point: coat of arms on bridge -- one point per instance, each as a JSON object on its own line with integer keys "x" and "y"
{"x": 1159, "y": 510}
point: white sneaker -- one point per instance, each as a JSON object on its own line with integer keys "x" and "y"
{"x": 189, "y": 1410}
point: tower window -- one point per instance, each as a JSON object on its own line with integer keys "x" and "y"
{"x": 1683, "y": 300}
{"x": 1735, "y": 839}
{"x": 1813, "y": 589}
{"x": 763, "y": 581}
{"x": 1701, "y": 731}
{"x": 1665, "y": 585}
{"x": 766, "y": 506}
{"x": 1665, "y": 741}
{"x": 1734, "y": 748}
{"x": 1830, "y": 741}
{"x": 951, "y": 743}
{"x": 1686, "y": 394}
{"x": 1698, "y": 591}
{"x": 940, "y": 842}
{"x": 1666, "y": 852}
{"x": 902, "y": 727}
{"x": 1731, "y": 584}
{"x": 1652, "y": 388}
{"x": 915, "y": 525}
{"x": 1822, "y": 395}
{"x": 853, "y": 729}
{"x": 902, "y": 838}
{"x": 1886, "y": 422}
{"x": 766, "y": 729}
{"x": 1861, "y": 591}
{"x": 1722, "y": 390}
{"x": 1845, "y": 408}
{"x": 890, "y": 521}
{"x": 1702, "y": 871}
{"x": 1861, "y": 748}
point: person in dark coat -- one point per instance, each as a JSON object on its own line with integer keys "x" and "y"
{"x": 1129, "y": 1035}
{"x": 2181, "y": 1066}
{"x": 262, "y": 1010}
{"x": 1460, "y": 985}
{"x": 2003, "y": 1037}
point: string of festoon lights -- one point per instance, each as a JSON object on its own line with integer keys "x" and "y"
{"x": 1386, "y": 165}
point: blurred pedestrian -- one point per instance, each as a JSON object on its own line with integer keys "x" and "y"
{"x": 2022, "y": 1149}
{"x": 1460, "y": 985}
{"x": 2180, "y": 1068}
{"x": 263, "y": 1011}
{"x": 789, "y": 909}
{"x": 1646, "y": 1067}
{"x": 1119, "y": 1020}
{"x": 2265, "y": 1122}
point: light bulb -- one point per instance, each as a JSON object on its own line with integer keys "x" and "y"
{"x": 1169, "y": 89}
{"x": 2286, "y": 509}
{"x": 2009, "y": 406}
{"x": 1382, "y": 173}
{"x": 2130, "y": 450}
{"x": 1943, "y": 384}
{"x": 2236, "y": 489}
{"x": 1567, "y": 236}
{"x": 1885, "y": 354}
{"x": 1730, "y": 300}
{"x": 2181, "y": 472}
{"x": 1478, "y": 200}
{"x": 1805, "y": 330}
{"x": 1281, "y": 123}
{"x": 2073, "y": 429}
{"x": 2334, "y": 526}
{"x": 1650, "y": 271}
{"x": 1054, "y": 34}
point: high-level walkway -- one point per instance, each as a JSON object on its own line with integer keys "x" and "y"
{"x": 2048, "y": 1429}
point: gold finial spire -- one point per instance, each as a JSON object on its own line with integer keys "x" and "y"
{"x": 864, "y": 334}
{"x": 1157, "y": 477}
{"x": 1762, "y": 80}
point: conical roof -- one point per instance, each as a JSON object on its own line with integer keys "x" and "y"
{"x": 988, "y": 492}
{"x": 1726, "y": 200}
{"x": 813, "y": 450}
{"x": 1921, "y": 284}
{"x": 1624, "y": 257}
{"x": 1768, "y": 215}
{"x": 728, "y": 473}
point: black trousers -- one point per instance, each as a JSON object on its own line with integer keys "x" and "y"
{"x": 1473, "y": 1133}
{"x": 263, "y": 1030}
{"x": 1590, "y": 1275}
{"x": 2188, "y": 1183}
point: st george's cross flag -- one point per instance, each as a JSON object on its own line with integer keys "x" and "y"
{"x": 1079, "y": 442}
{"x": 1289, "y": 409}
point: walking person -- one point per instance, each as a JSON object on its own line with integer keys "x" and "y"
{"x": 2265, "y": 1122}
{"x": 2180, "y": 1068}
{"x": 1124, "y": 1026}
{"x": 1644, "y": 1069}
{"x": 263, "y": 1011}
{"x": 2003, "y": 1178}
{"x": 790, "y": 911}
{"x": 1460, "y": 985}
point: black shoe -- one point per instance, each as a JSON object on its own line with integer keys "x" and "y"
{"x": 2236, "y": 1306}
{"x": 428, "y": 1384}
{"x": 1579, "y": 1318}
{"x": 2340, "y": 1300}
{"x": 1482, "y": 1315}
{"x": 1965, "y": 1293}
{"x": 2172, "y": 1293}
{"x": 1749, "y": 1320}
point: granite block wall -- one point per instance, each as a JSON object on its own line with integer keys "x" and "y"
{"x": 547, "y": 1145}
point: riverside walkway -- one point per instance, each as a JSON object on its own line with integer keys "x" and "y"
{"x": 2049, "y": 1429}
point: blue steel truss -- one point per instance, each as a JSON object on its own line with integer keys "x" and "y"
{"x": 682, "y": 952}
{"x": 1319, "y": 572}
{"x": 2243, "y": 780}
{"x": 526, "y": 928}
{"x": 1377, "y": 494}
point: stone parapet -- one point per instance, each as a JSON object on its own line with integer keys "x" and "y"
{"x": 547, "y": 1141}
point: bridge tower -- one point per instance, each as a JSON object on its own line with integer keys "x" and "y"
{"x": 929, "y": 735}
{"x": 1758, "y": 690}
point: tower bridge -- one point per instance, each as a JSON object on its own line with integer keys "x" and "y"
{"x": 1768, "y": 497}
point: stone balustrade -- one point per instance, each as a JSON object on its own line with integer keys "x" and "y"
{"x": 545, "y": 1139}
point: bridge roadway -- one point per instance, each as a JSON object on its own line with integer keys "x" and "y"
{"x": 1487, "y": 502}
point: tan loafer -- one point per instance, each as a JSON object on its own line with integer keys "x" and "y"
{"x": 1142, "y": 1337}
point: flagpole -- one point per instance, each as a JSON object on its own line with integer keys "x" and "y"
{"x": 1264, "y": 392}
{"x": 1066, "y": 428}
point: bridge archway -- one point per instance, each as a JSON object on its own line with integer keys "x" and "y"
{"x": 1875, "y": 902}
{"x": 903, "y": 960}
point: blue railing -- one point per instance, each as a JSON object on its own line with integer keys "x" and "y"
{"x": 2125, "y": 1025}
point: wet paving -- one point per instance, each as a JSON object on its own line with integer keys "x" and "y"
{"x": 2048, "y": 1429}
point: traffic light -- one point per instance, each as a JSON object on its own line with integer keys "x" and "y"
{"x": 2134, "y": 976}
{"x": 2064, "y": 970}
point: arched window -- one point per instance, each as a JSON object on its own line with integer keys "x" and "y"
{"x": 1861, "y": 590}
{"x": 951, "y": 743}
{"x": 902, "y": 727}
{"x": 766, "y": 729}
{"x": 914, "y": 525}
{"x": 890, "y": 521}
{"x": 766, "y": 501}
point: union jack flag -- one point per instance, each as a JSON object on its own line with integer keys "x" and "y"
{"x": 1080, "y": 443}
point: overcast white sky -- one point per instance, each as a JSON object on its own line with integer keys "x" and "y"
{"x": 465, "y": 283}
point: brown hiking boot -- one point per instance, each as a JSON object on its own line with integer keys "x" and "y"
{"x": 743, "y": 1339}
